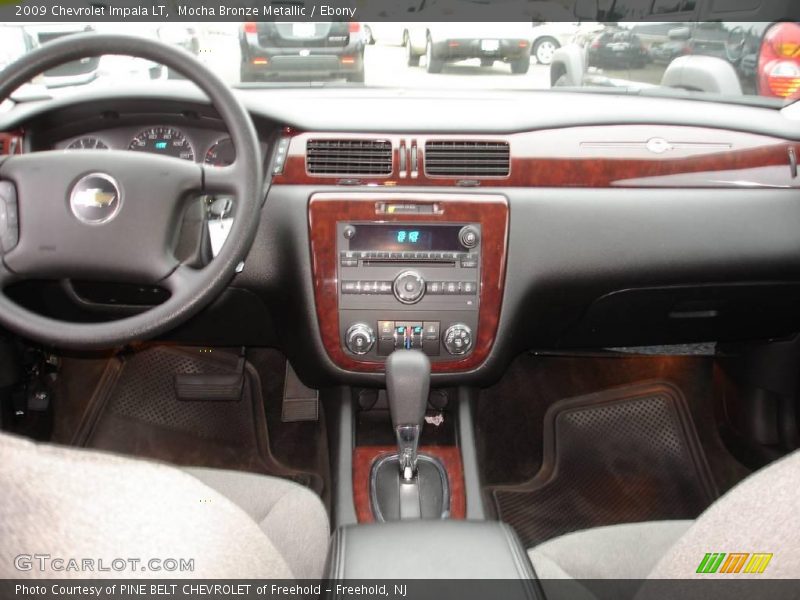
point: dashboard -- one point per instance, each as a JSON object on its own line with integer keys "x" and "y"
{"x": 189, "y": 143}
{"x": 640, "y": 222}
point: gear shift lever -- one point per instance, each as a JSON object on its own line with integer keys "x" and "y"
{"x": 407, "y": 485}
{"x": 408, "y": 376}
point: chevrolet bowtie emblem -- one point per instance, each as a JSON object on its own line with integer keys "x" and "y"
{"x": 94, "y": 197}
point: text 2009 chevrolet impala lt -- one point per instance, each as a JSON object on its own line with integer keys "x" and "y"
{"x": 458, "y": 328}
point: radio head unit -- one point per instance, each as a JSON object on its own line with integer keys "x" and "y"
{"x": 408, "y": 285}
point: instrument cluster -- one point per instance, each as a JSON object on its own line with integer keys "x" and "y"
{"x": 194, "y": 144}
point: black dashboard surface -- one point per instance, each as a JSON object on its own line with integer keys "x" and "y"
{"x": 398, "y": 110}
{"x": 568, "y": 249}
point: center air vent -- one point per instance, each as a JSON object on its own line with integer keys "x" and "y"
{"x": 464, "y": 158}
{"x": 349, "y": 157}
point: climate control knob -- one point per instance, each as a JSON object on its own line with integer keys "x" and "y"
{"x": 409, "y": 287}
{"x": 360, "y": 338}
{"x": 457, "y": 339}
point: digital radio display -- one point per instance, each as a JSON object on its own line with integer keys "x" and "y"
{"x": 400, "y": 238}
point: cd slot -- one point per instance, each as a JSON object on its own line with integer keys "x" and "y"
{"x": 375, "y": 258}
{"x": 407, "y": 261}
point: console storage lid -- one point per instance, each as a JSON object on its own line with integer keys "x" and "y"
{"x": 428, "y": 549}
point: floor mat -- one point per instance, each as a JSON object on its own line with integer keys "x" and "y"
{"x": 624, "y": 455}
{"x": 135, "y": 411}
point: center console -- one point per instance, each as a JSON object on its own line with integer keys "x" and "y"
{"x": 408, "y": 271}
{"x": 434, "y": 550}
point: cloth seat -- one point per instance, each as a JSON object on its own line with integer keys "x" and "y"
{"x": 79, "y": 504}
{"x": 759, "y": 515}
{"x": 628, "y": 551}
{"x": 290, "y": 515}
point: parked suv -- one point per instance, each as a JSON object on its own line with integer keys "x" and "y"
{"x": 617, "y": 48}
{"x": 490, "y": 42}
{"x": 305, "y": 50}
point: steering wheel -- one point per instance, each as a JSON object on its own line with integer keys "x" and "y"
{"x": 113, "y": 215}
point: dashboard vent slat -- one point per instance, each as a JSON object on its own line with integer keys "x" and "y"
{"x": 349, "y": 157}
{"x": 467, "y": 158}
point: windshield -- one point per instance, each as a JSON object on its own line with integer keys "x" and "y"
{"x": 549, "y": 45}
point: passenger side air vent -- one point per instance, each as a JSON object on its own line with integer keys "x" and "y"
{"x": 349, "y": 157}
{"x": 465, "y": 158}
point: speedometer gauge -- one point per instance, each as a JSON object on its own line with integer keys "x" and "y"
{"x": 163, "y": 140}
{"x": 87, "y": 143}
{"x": 221, "y": 154}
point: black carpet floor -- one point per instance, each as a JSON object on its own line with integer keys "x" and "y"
{"x": 567, "y": 443}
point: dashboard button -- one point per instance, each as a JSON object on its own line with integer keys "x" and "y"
{"x": 399, "y": 336}
{"x": 415, "y": 335}
{"x": 451, "y": 287}
{"x": 435, "y": 287}
{"x": 469, "y": 287}
{"x": 430, "y": 330}
{"x": 469, "y": 261}
{"x": 386, "y": 330}
{"x": 430, "y": 338}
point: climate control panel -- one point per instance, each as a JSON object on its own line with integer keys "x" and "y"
{"x": 362, "y": 338}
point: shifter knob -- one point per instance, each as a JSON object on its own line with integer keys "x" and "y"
{"x": 408, "y": 376}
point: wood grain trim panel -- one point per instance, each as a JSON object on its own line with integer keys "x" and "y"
{"x": 598, "y": 156}
{"x": 490, "y": 210}
{"x": 364, "y": 456}
{"x": 7, "y": 138}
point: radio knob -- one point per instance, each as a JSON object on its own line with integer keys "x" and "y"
{"x": 360, "y": 338}
{"x": 468, "y": 236}
{"x": 409, "y": 287}
{"x": 457, "y": 339}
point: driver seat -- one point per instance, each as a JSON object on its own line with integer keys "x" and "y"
{"x": 72, "y": 503}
